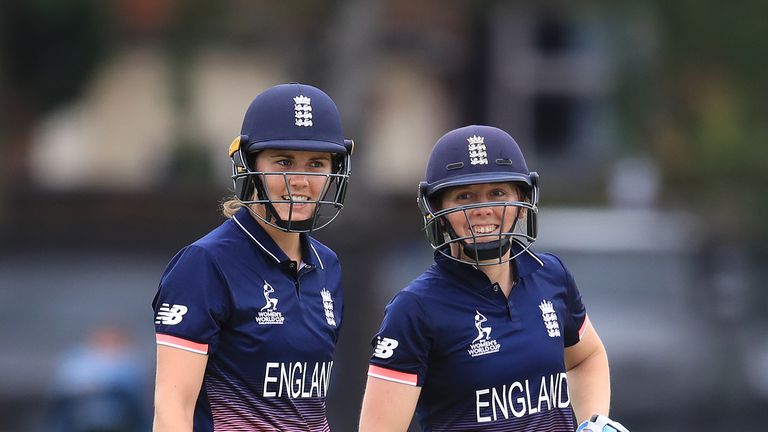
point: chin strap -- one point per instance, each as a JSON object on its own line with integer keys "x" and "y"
{"x": 599, "y": 423}
{"x": 271, "y": 217}
{"x": 486, "y": 251}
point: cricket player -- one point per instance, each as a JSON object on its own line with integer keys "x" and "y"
{"x": 492, "y": 336}
{"x": 247, "y": 317}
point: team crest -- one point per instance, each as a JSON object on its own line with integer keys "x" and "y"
{"x": 477, "y": 150}
{"x": 302, "y": 111}
{"x": 550, "y": 318}
{"x": 482, "y": 344}
{"x": 268, "y": 314}
{"x": 328, "y": 307}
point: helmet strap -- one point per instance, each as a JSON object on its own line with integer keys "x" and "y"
{"x": 271, "y": 215}
{"x": 486, "y": 251}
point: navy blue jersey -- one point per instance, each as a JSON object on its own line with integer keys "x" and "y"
{"x": 269, "y": 330}
{"x": 484, "y": 361}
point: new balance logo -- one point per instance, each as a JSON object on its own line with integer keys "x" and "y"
{"x": 170, "y": 315}
{"x": 385, "y": 347}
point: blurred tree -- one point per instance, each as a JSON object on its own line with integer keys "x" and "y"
{"x": 702, "y": 109}
{"x": 48, "y": 51}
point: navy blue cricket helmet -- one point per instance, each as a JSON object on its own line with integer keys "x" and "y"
{"x": 475, "y": 155}
{"x": 292, "y": 117}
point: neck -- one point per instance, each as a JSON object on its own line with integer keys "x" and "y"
{"x": 289, "y": 242}
{"x": 501, "y": 274}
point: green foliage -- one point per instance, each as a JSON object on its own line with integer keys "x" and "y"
{"x": 708, "y": 124}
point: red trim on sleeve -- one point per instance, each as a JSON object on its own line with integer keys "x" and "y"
{"x": 176, "y": 342}
{"x": 584, "y": 326}
{"x": 391, "y": 375}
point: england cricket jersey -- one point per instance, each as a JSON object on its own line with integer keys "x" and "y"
{"x": 484, "y": 361}
{"x": 267, "y": 325}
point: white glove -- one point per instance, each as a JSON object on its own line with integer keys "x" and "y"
{"x": 600, "y": 423}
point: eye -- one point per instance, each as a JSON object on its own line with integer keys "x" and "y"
{"x": 317, "y": 163}
{"x": 498, "y": 193}
{"x": 284, "y": 162}
{"x": 463, "y": 196}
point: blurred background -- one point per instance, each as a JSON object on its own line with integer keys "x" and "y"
{"x": 645, "y": 119}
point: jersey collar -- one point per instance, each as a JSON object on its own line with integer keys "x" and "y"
{"x": 267, "y": 246}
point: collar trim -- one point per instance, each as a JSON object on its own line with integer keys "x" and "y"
{"x": 234, "y": 217}
{"x": 317, "y": 255}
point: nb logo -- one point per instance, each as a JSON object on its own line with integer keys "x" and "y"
{"x": 385, "y": 347}
{"x": 170, "y": 315}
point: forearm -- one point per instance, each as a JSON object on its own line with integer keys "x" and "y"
{"x": 177, "y": 386}
{"x": 589, "y": 386}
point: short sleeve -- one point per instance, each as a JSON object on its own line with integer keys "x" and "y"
{"x": 191, "y": 302}
{"x": 402, "y": 345}
{"x": 576, "y": 320}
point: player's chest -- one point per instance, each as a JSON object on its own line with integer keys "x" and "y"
{"x": 274, "y": 311}
{"x": 489, "y": 337}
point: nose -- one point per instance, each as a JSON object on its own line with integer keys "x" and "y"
{"x": 298, "y": 180}
{"x": 482, "y": 211}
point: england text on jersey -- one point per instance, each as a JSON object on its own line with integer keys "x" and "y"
{"x": 297, "y": 379}
{"x": 517, "y": 399}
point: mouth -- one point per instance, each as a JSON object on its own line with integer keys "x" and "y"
{"x": 296, "y": 199}
{"x": 484, "y": 229}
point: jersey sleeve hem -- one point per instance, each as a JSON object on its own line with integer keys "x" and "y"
{"x": 584, "y": 326}
{"x": 184, "y": 344}
{"x": 391, "y": 375}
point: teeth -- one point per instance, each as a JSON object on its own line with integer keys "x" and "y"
{"x": 485, "y": 229}
{"x": 295, "y": 197}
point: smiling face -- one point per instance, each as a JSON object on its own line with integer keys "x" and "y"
{"x": 483, "y": 223}
{"x": 300, "y": 190}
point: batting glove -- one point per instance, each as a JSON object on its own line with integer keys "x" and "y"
{"x": 600, "y": 423}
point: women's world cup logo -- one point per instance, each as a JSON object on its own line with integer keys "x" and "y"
{"x": 483, "y": 344}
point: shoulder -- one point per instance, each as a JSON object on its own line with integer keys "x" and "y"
{"x": 551, "y": 271}
{"x": 192, "y": 259}
{"x": 220, "y": 237}
{"x": 326, "y": 257}
{"x": 209, "y": 248}
{"x": 549, "y": 259}
{"x": 407, "y": 307}
{"x": 321, "y": 249}
{"x": 425, "y": 285}
{"x": 428, "y": 288}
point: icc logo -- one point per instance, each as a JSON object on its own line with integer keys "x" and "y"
{"x": 385, "y": 347}
{"x": 271, "y": 303}
{"x": 482, "y": 332}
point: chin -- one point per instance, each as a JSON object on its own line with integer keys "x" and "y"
{"x": 298, "y": 215}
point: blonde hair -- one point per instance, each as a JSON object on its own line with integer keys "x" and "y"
{"x": 230, "y": 206}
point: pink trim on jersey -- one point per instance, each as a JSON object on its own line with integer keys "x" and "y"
{"x": 390, "y": 375}
{"x": 584, "y": 326}
{"x": 175, "y": 342}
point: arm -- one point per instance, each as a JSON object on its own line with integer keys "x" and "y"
{"x": 388, "y": 406}
{"x": 177, "y": 386}
{"x": 588, "y": 380}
